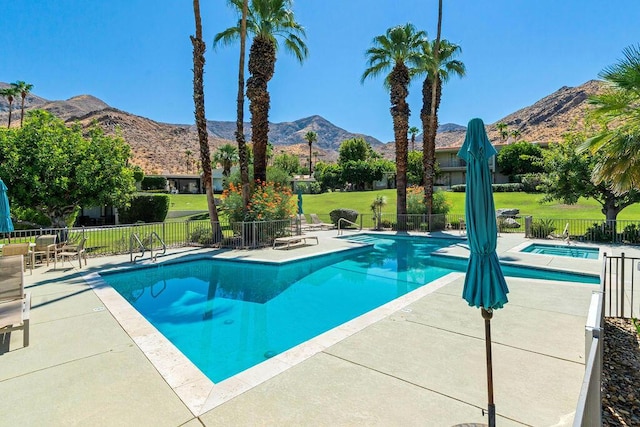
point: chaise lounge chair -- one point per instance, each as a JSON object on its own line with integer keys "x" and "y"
{"x": 14, "y": 303}
{"x": 315, "y": 219}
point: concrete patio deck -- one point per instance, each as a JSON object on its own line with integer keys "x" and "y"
{"x": 418, "y": 361}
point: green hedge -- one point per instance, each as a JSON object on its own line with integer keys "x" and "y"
{"x": 153, "y": 183}
{"x": 146, "y": 208}
{"x": 348, "y": 214}
{"x": 497, "y": 188}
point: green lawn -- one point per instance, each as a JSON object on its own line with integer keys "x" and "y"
{"x": 360, "y": 201}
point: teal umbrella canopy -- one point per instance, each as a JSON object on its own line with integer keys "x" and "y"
{"x": 484, "y": 284}
{"x": 6, "y": 225}
{"x": 300, "y": 202}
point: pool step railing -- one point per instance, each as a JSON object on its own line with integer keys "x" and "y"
{"x": 341, "y": 220}
{"x": 136, "y": 244}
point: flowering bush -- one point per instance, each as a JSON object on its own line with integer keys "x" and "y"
{"x": 268, "y": 201}
{"x": 415, "y": 201}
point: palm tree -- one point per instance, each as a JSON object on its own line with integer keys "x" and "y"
{"x": 618, "y": 141}
{"x": 187, "y": 159}
{"x": 199, "y": 48}
{"x": 10, "y": 93}
{"x": 502, "y": 128}
{"x": 376, "y": 207}
{"x": 242, "y": 144}
{"x": 438, "y": 64}
{"x": 516, "y": 134}
{"x": 266, "y": 20}
{"x": 23, "y": 89}
{"x": 413, "y": 131}
{"x": 310, "y": 137}
{"x": 227, "y": 156}
{"x": 397, "y": 50}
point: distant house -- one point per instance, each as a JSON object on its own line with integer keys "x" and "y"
{"x": 453, "y": 168}
{"x": 185, "y": 184}
{"x": 98, "y": 215}
{"x": 301, "y": 181}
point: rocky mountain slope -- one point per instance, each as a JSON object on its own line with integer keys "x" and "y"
{"x": 162, "y": 148}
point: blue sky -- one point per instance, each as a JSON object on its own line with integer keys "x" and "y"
{"x": 136, "y": 55}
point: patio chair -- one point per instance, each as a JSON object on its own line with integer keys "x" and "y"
{"x": 315, "y": 219}
{"x": 14, "y": 303}
{"x": 45, "y": 246}
{"x": 70, "y": 251}
{"x": 12, "y": 249}
{"x": 304, "y": 225}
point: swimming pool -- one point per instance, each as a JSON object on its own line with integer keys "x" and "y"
{"x": 572, "y": 251}
{"x": 227, "y": 316}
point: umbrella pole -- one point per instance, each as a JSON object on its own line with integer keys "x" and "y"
{"x": 491, "y": 407}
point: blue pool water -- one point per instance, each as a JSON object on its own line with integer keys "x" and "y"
{"x": 563, "y": 250}
{"x": 227, "y": 316}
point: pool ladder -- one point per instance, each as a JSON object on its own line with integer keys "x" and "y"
{"x": 135, "y": 244}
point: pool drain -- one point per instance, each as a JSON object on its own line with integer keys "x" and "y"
{"x": 269, "y": 354}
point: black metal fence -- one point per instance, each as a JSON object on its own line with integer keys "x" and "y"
{"x": 620, "y": 286}
{"x": 116, "y": 239}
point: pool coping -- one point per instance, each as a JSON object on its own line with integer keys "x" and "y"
{"x": 198, "y": 392}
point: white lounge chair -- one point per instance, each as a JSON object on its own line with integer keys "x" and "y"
{"x": 14, "y": 303}
{"x": 315, "y": 219}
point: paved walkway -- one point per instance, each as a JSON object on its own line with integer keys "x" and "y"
{"x": 418, "y": 361}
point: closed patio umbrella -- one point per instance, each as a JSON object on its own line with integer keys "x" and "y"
{"x": 300, "y": 212}
{"x": 6, "y": 226}
{"x": 484, "y": 284}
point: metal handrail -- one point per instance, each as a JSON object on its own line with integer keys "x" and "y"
{"x": 164, "y": 246}
{"x": 140, "y": 245}
{"x": 349, "y": 222}
{"x": 132, "y": 238}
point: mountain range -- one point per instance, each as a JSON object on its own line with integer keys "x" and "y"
{"x": 161, "y": 147}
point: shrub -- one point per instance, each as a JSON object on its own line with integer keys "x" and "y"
{"x": 385, "y": 223}
{"x": 201, "y": 235}
{"x": 153, "y": 183}
{"x": 507, "y": 188}
{"x": 542, "y": 228}
{"x": 531, "y": 182}
{"x": 348, "y": 214}
{"x": 146, "y": 208}
{"x": 138, "y": 173}
{"x": 459, "y": 188}
{"x": 602, "y": 232}
{"x": 269, "y": 201}
{"x": 631, "y": 234}
{"x": 415, "y": 202}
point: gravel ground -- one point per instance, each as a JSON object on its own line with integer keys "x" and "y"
{"x": 621, "y": 374}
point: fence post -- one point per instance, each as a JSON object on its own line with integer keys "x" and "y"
{"x": 528, "y": 221}
{"x": 621, "y": 292}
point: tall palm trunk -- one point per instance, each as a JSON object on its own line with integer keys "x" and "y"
{"x": 429, "y": 141}
{"x": 199, "y": 48}
{"x": 431, "y": 124}
{"x": 399, "y": 80}
{"x": 24, "y": 95}
{"x": 262, "y": 60}
{"x": 10, "y": 99}
{"x": 242, "y": 146}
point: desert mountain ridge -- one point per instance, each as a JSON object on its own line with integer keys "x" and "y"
{"x": 161, "y": 148}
